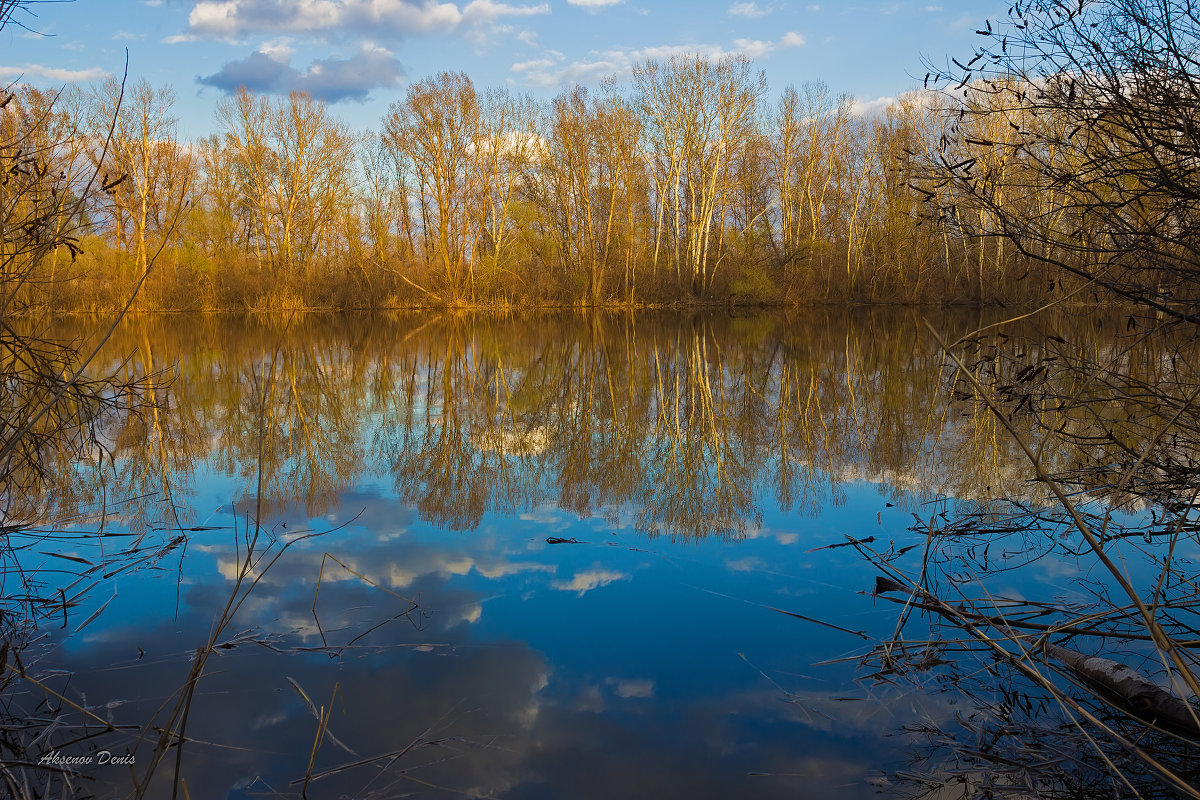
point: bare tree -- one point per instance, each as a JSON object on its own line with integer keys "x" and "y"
{"x": 504, "y": 155}
{"x": 146, "y": 175}
{"x": 245, "y": 118}
{"x": 697, "y": 114}
{"x": 434, "y": 133}
{"x": 1089, "y": 113}
{"x": 1074, "y": 143}
{"x": 810, "y": 129}
{"x": 313, "y": 177}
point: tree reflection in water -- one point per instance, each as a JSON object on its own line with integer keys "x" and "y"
{"x": 696, "y": 428}
{"x": 679, "y": 420}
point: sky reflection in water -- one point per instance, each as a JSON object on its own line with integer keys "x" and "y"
{"x": 697, "y": 462}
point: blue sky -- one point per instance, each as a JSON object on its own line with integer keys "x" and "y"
{"x": 360, "y": 54}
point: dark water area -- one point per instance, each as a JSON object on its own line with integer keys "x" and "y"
{"x": 567, "y": 557}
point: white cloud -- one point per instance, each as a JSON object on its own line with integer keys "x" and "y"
{"x": 585, "y": 581}
{"x": 502, "y": 569}
{"x": 814, "y": 7}
{"x": 753, "y": 48}
{"x": 229, "y": 19}
{"x": 535, "y": 66}
{"x": 280, "y": 49}
{"x": 470, "y": 614}
{"x": 748, "y": 564}
{"x": 53, "y": 73}
{"x": 269, "y": 69}
{"x": 594, "y": 3}
{"x": 488, "y": 10}
{"x": 752, "y": 10}
{"x": 637, "y": 688}
{"x": 551, "y": 71}
{"x": 864, "y": 108}
{"x": 932, "y": 9}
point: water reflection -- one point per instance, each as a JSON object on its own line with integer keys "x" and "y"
{"x": 686, "y": 422}
{"x": 688, "y": 466}
{"x": 595, "y": 670}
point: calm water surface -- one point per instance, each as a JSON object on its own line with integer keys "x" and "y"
{"x": 599, "y": 519}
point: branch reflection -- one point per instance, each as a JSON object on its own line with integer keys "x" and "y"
{"x": 678, "y": 425}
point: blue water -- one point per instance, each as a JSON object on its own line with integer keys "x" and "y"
{"x": 499, "y": 628}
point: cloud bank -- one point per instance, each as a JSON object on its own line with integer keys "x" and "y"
{"x": 553, "y": 70}
{"x": 394, "y": 19}
{"x": 52, "y": 73}
{"x": 333, "y": 80}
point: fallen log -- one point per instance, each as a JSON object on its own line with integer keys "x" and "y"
{"x": 1146, "y": 699}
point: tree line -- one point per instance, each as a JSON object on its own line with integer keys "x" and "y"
{"x": 685, "y": 185}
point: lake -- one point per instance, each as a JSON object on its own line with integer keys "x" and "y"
{"x": 584, "y": 556}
